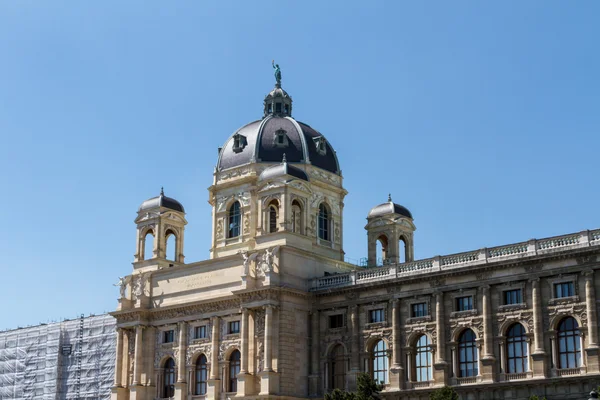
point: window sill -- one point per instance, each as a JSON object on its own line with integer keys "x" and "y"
{"x": 168, "y": 344}
{"x": 512, "y": 307}
{"x": 563, "y": 300}
{"x": 463, "y": 314}
{"x": 337, "y": 330}
{"x": 200, "y": 340}
{"x": 376, "y": 325}
{"x": 418, "y": 320}
{"x": 232, "y": 336}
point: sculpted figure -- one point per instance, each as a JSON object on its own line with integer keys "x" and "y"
{"x": 247, "y": 260}
{"x": 268, "y": 259}
{"x": 123, "y": 280}
{"x": 277, "y": 72}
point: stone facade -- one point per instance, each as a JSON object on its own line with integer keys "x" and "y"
{"x": 276, "y": 312}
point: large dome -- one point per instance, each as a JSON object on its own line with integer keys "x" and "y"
{"x": 268, "y": 139}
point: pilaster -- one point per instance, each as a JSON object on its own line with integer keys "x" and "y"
{"x": 314, "y": 381}
{"x": 440, "y": 366}
{"x": 538, "y": 357}
{"x": 488, "y": 361}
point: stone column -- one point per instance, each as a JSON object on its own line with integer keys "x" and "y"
{"x": 354, "y": 349}
{"x": 488, "y": 361}
{"x": 502, "y": 360}
{"x": 180, "y": 385}
{"x": 137, "y": 365}
{"x": 592, "y": 350}
{"x": 214, "y": 383}
{"x": 397, "y": 371}
{"x": 440, "y": 366}
{"x": 315, "y": 373}
{"x": 245, "y": 381}
{"x": 244, "y": 342}
{"x": 268, "y": 383}
{"x": 454, "y": 350}
{"x": 539, "y": 355}
{"x": 119, "y": 358}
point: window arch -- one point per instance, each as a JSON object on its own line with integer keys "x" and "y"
{"x": 168, "y": 387}
{"x": 569, "y": 344}
{"x": 423, "y": 359}
{"x": 296, "y": 217}
{"x": 467, "y": 354}
{"x": 516, "y": 349}
{"x": 170, "y": 245}
{"x": 234, "y": 370}
{"x": 323, "y": 222}
{"x": 402, "y": 250}
{"x": 273, "y": 214}
{"x": 201, "y": 375}
{"x": 337, "y": 368}
{"x": 148, "y": 245}
{"x": 380, "y": 362}
{"x": 382, "y": 247}
{"x": 234, "y": 220}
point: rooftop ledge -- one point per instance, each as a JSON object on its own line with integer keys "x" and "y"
{"x": 453, "y": 262}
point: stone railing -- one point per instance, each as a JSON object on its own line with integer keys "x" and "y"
{"x": 420, "y": 385}
{"x": 568, "y": 372}
{"x": 461, "y": 260}
{"x": 467, "y": 380}
{"x": 516, "y": 376}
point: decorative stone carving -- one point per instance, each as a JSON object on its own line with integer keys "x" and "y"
{"x": 197, "y": 309}
{"x": 533, "y": 267}
{"x": 266, "y": 262}
{"x": 140, "y": 285}
{"x": 222, "y": 176}
{"x": 246, "y": 223}
{"x": 437, "y": 282}
{"x": 248, "y": 258}
{"x": 219, "y": 229}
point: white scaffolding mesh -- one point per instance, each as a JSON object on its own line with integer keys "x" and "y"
{"x": 67, "y": 360}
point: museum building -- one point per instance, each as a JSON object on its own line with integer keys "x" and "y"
{"x": 276, "y": 312}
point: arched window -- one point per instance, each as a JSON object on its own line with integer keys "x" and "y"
{"x": 467, "y": 354}
{"x": 169, "y": 379}
{"x": 337, "y": 368}
{"x": 323, "y": 222}
{"x": 234, "y": 220}
{"x": 402, "y": 251}
{"x": 201, "y": 375}
{"x": 423, "y": 359}
{"x": 569, "y": 345}
{"x": 516, "y": 350}
{"x": 273, "y": 211}
{"x": 296, "y": 217}
{"x": 171, "y": 246}
{"x": 380, "y": 362}
{"x": 382, "y": 246}
{"x": 148, "y": 246}
{"x": 234, "y": 370}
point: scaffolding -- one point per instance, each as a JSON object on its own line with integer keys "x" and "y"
{"x": 69, "y": 360}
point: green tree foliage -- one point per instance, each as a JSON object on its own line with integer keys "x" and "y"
{"x": 367, "y": 388}
{"x": 444, "y": 393}
{"x": 536, "y": 397}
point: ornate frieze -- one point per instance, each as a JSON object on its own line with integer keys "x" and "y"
{"x": 196, "y": 310}
{"x": 236, "y": 173}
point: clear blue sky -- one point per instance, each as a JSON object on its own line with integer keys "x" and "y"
{"x": 480, "y": 117}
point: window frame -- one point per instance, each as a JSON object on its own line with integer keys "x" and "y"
{"x": 324, "y": 222}
{"x": 233, "y": 327}
{"x": 234, "y": 369}
{"x": 340, "y": 317}
{"x": 562, "y": 339}
{"x": 559, "y": 287}
{"x": 378, "y": 313}
{"x": 201, "y": 375}
{"x": 420, "y": 350}
{"x": 234, "y": 220}
{"x": 459, "y": 302}
{"x": 379, "y": 358}
{"x": 168, "y": 336}
{"x": 169, "y": 373}
{"x": 422, "y": 304}
{"x": 517, "y": 363}
{"x": 199, "y": 328}
{"x": 468, "y": 348}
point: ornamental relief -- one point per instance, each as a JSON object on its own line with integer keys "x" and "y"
{"x": 242, "y": 197}
{"x": 223, "y": 176}
{"x": 173, "y": 228}
{"x": 556, "y": 313}
{"x": 503, "y": 320}
{"x": 315, "y": 173}
{"x": 411, "y": 332}
{"x": 267, "y": 200}
{"x": 246, "y": 223}
{"x": 205, "y": 349}
{"x": 329, "y": 342}
{"x": 220, "y": 229}
{"x": 300, "y": 186}
{"x": 474, "y": 323}
{"x": 386, "y": 334}
{"x": 196, "y": 310}
{"x": 160, "y": 354}
{"x": 225, "y": 346}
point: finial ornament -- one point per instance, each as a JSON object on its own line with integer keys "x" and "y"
{"x": 277, "y": 73}
{"x": 389, "y": 197}
{"x": 162, "y": 192}
{"x": 284, "y": 160}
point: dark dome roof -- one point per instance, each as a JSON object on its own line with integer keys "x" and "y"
{"x": 389, "y": 208}
{"x": 162, "y": 201}
{"x": 259, "y": 142}
{"x": 282, "y": 169}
